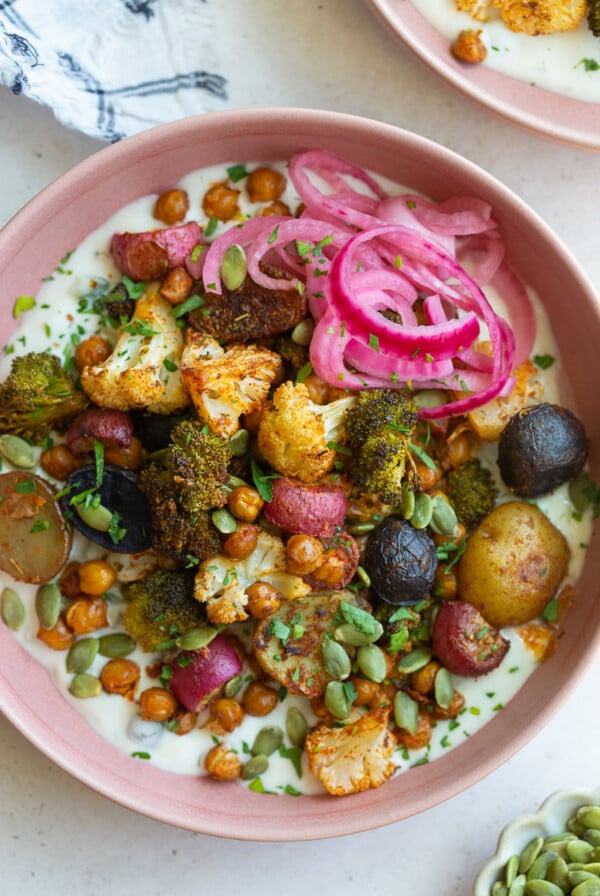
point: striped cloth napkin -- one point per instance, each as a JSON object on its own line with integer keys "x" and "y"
{"x": 114, "y": 67}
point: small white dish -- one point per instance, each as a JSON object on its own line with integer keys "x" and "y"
{"x": 551, "y": 818}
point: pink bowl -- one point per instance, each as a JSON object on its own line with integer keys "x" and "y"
{"x": 560, "y": 117}
{"x": 34, "y": 241}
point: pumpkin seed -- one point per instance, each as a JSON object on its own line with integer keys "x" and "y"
{"x": 96, "y": 517}
{"x": 529, "y": 854}
{"x": 517, "y": 888}
{"x": 233, "y": 686}
{"x": 196, "y": 638}
{"x": 443, "y": 518}
{"x": 579, "y": 850}
{"x": 255, "y": 767}
{"x": 48, "y": 604}
{"x": 558, "y": 874}
{"x": 83, "y": 685}
{"x": 589, "y": 816}
{"x": 499, "y": 889}
{"x": 512, "y": 868}
{"x": 82, "y": 654}
{"x": 296, "y": 726}
{"x": 589, "y": 887}
{"x": 406, "y": 712}
{"x": 335, "y": 659}
{"x": 224, "y": 521}
{"x": 349, "y": 634}
{"x": 578, "y": 877}
{"x": 542, "y": 888}
{"x": 407, "y": 504}
{"x": 423, "y": 511}
{"x": 594, "y": 867}
{"x": 443, "y": 688}
{"x": 234, "y": 266}
{"x": 371, "y": 661}
{"x": 303, "y": 332}
{"x": 12, "y": 609}
{"x": 577, "y": 827}
{"x": 414, "y": 660}
{"x": 116, "y": 644}
{"x": 267, "y": 740}
{"x": 239, "y": 442}
{"x": 540, "y": 866}
{"x": 592, "y": 835}
{"x": 17, "y": 452}
{"x": 336, "y": 700}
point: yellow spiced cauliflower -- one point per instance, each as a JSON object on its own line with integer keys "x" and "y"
{"x": 225, "y": 383}
{"x": 143, "y": 370}
{"x": 295, "y": 435}
{"x": 221, "y": 582}
{"x": 353, "y": 758}
{"x": 529, "y": 16}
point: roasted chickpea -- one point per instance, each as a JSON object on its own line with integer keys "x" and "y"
{"x": 86, "y": 614}
{"x": 96, "y": 577}
{"x": 245, "y": 503}
{"x": 469, "y": 47}
{"x": 276, "y": 208}
{"x": 130, "y": 457}
{"x": 460, "y": 447}
{"x": 451, "y": 711}
{"x": 222, "y": 763}
{"x": 421, "y": 737}
{"x": 183, "y": 722}
{"x": 59, "y": 462}
{"x": 318, "y": 389}
{"x": 171, "y": 206}
{"x": 221, "y": 202}
{"x": 457, "y": 536}
{"x": 368, "y": 693}
{"x": 423, "y": 680}
{"x": 176, "y": 286}
{"x": 120, "y": 676}
{"x": 429, "y": 477}
{"x": 317, "y": 704}
{"x": 226, "y": 714}
{"x": 240, "y": 544}
{"x": 332, "y": 569}
{"x": 157, "y": 704}
{"x": 265, "y": 185}
{"x": 69, "y": 580}
{"x": 91, "y": 351}
{"x": 59, "y": 637}
{"x": 303, "y": 554}
{"x": 258, "y": 699}
{"x": 446, "y": 583}
{"x": 263, "y": 599}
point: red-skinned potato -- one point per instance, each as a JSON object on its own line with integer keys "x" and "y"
{"x": 134, "y": 255}
{"x": 317, "y": 510}
{"x": 196, "y": 675}
{"x": 110, "y": 428}
{"x": 464, "y": 642}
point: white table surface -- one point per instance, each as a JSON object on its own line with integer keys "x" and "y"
{"x": 56, "y": 835}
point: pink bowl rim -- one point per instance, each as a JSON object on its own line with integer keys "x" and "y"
{"x": 561, "y": 118}
{"x": 82, "y": 753}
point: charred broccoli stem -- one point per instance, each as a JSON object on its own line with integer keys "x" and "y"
{"x": 593, "y": 17}
{"x": 38, "y": 396}
{"x": 379, "y": 429}
{"x": 471, "y": 490}
{"x": 161, "y": 607}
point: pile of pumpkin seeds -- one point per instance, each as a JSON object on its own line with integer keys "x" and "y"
{"x": 564, "y": 863}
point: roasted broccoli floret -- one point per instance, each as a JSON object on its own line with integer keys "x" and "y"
{"x": 37, "y": 396}
{"x": 188, "y": 480}
{"x": 472, "y": 492}
{"x": 379, "y": 431}
{"x": 161, "y": 607}
{"x": 593, "y": 17}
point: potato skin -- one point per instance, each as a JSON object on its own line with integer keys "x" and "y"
{"x": 513, "y": 564}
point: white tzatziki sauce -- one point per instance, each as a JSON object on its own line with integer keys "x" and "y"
{"x": 567, "y": 63}
{"x": 55, "y": 324}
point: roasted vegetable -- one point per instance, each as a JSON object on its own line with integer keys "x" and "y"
{"x": 540, "y": 448}
{"x": 379, "y": 429}
{"x": 161, "y": 606}
{"x": 317, "y": 510}
{"x": 149, "y": 255}
{"x": 197, "y": 675}
{"x": 593, "y": 17}
{"x": 513, "y": 564}
{"x": 401, "y": 562}
{"x": 471, "y": 490}
{"x": 464, "y": 642}
{"x": 38, "y": 396}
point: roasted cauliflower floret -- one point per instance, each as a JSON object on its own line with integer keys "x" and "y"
{"x": 297, "y": 437}
{"x": 225, "y": 383}
{"x": 353, "y": 758}
{"x": 143, "y": 369}
{"x": 221, "y": 582}
{"x": 530, "y": 16}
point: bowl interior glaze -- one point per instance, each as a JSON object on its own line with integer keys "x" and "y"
{"x": 34, "y": 241}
